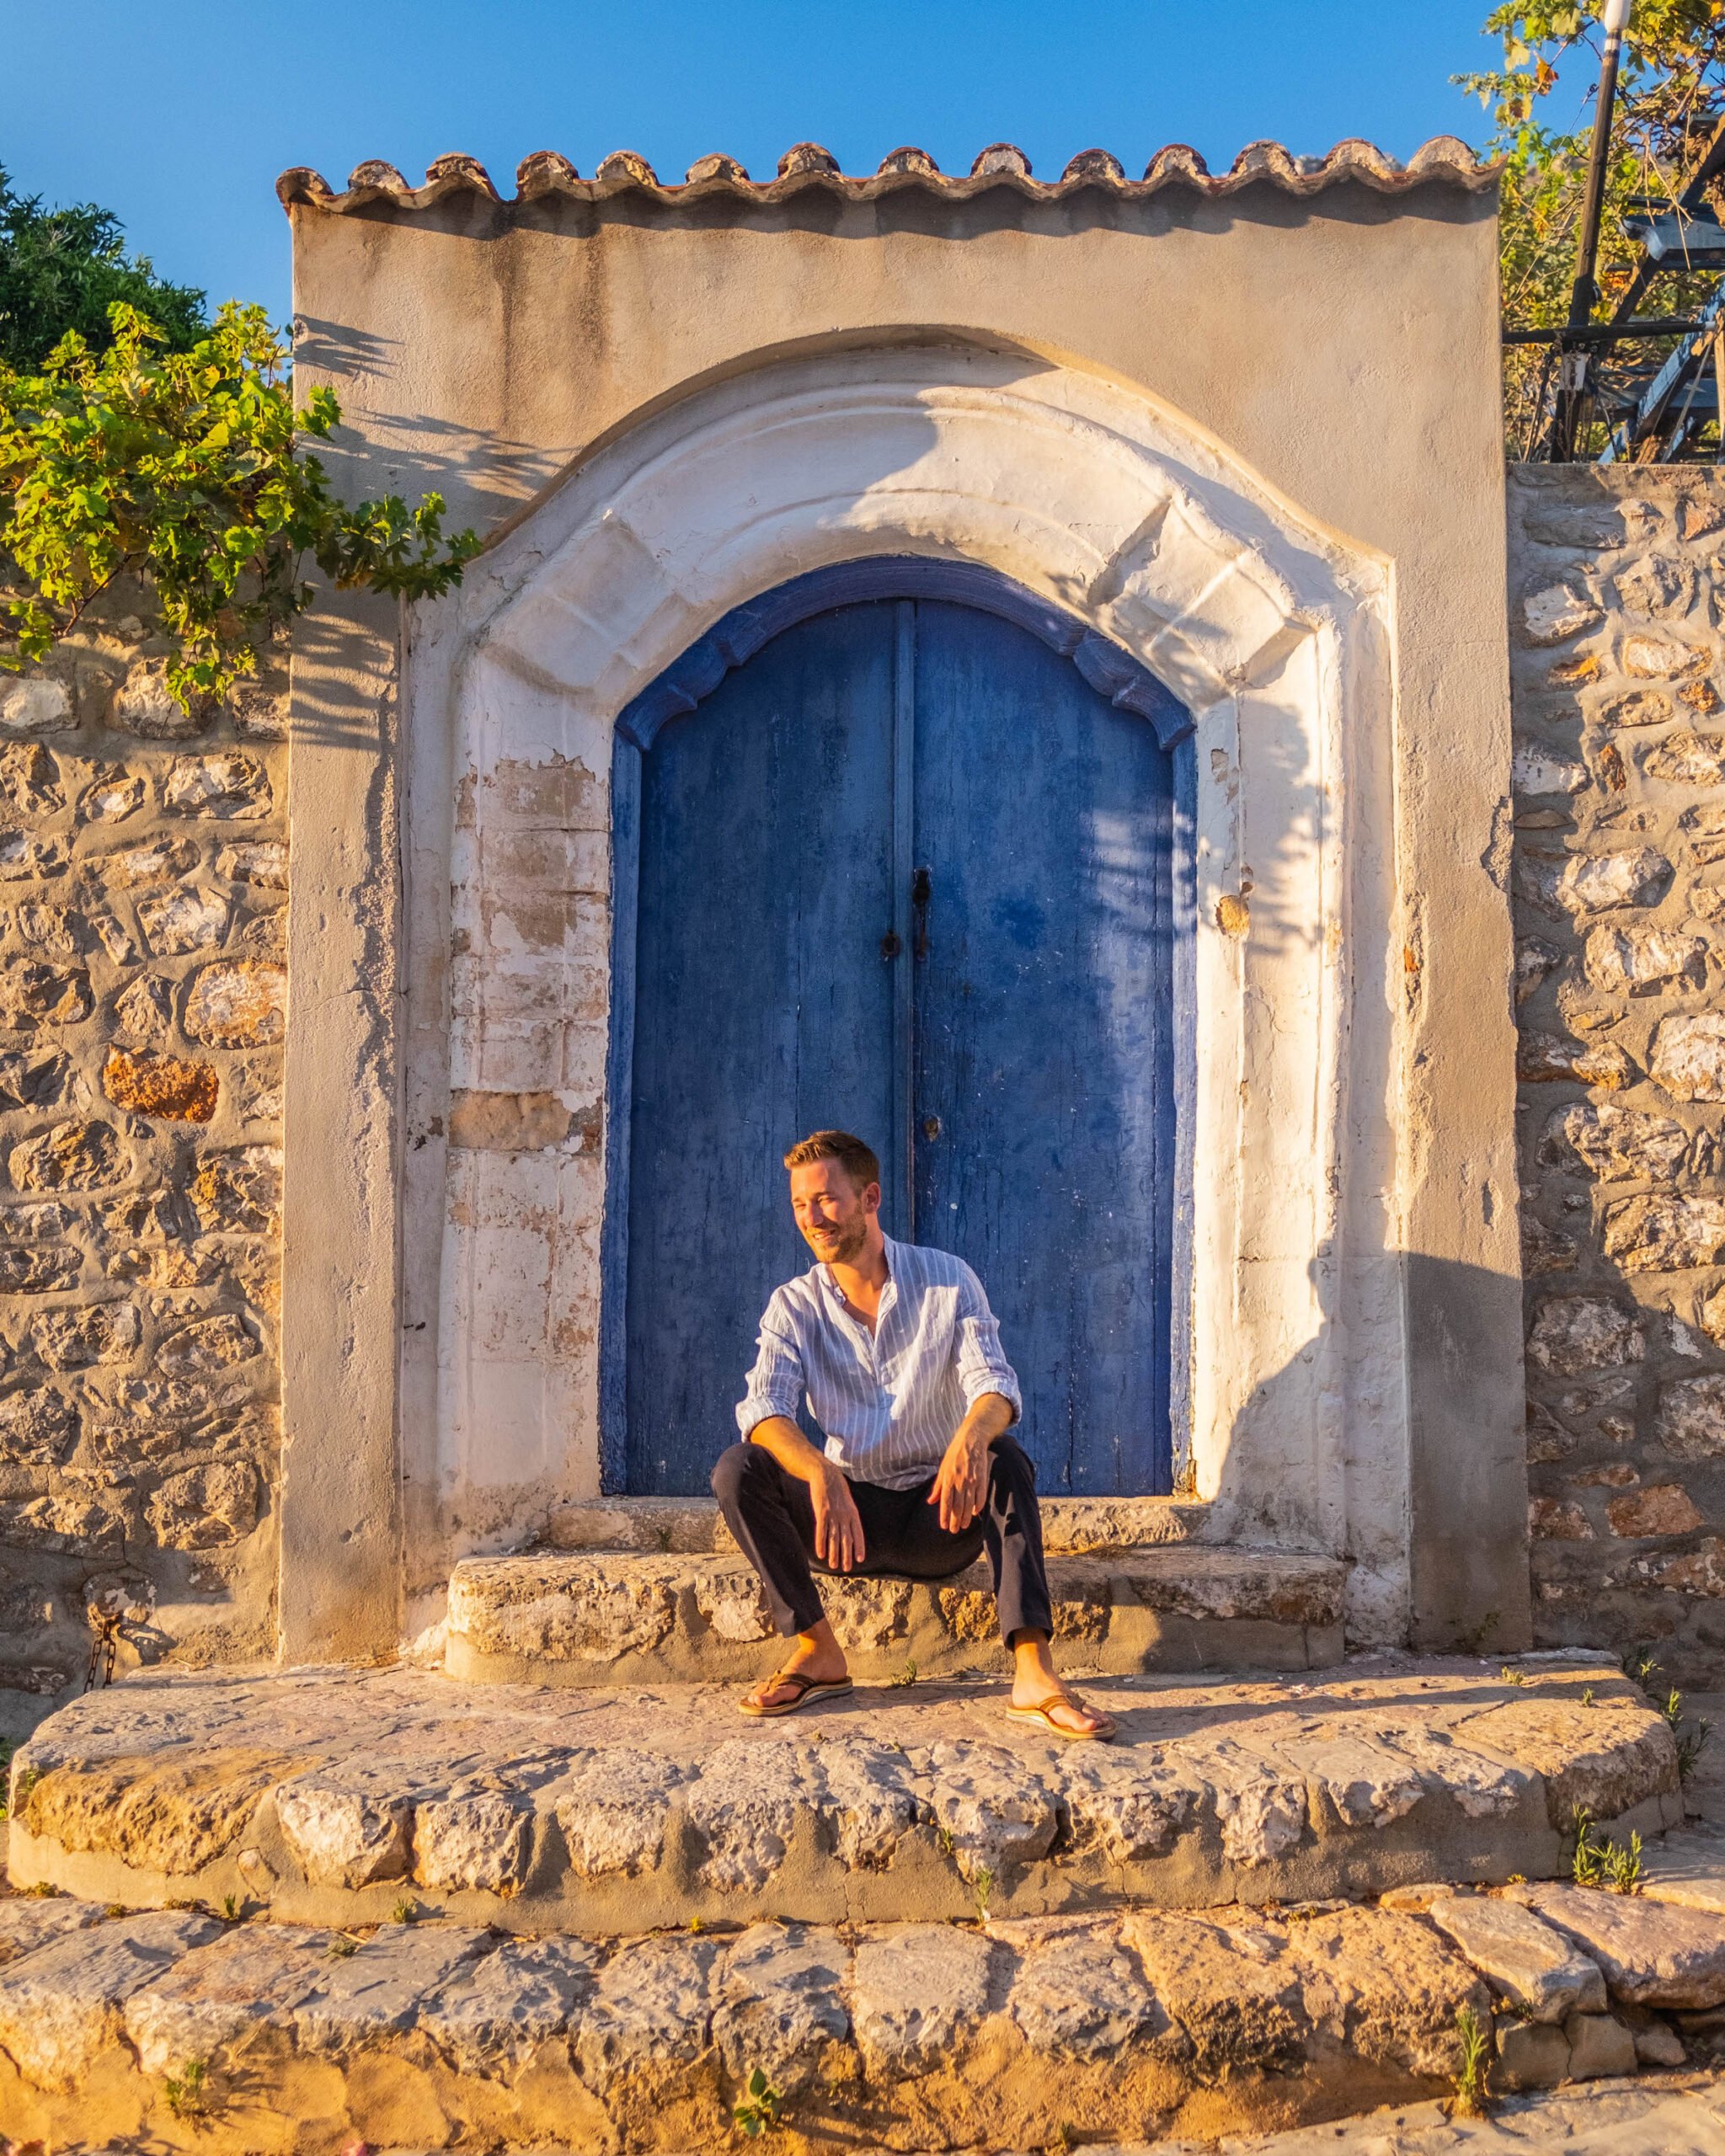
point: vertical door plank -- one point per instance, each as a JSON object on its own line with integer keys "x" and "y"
{"x": 1044, "y": 1065}
{"x": 763, "y": 1007}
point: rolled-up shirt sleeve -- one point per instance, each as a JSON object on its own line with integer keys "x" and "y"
{"x": 776, "y": 1383}
{"x": 981, "y": 1364}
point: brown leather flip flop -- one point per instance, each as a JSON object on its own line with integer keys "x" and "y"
{"x": 807, "y": 1689}
{"x": 1043, "y": 1714}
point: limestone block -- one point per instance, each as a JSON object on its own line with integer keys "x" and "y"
{"x": 190, "y": 917}
{"x": 650, "y": 2005}
{"x": 782, "y": 2004}
{"x": 1613, "y": 1142}
{"x": 73, "y": 1339}
{"x": 1232, "y": 1987}
{"x": 259, "y": 709}
{"x": 38, "y": 1272}
{"x": 229, "y": 784}
{"x": 1641, "y": 707}
{"x": 144, "y": 1011}
{"x": 1688, "y": 1056}
{"x": 1665, "y": 1508}
{"x": 1526, "y": 1962}
{"x": 613, "y": 1807}
{"x": 248, "y": 1979}
{"x": 1657, "y": 2043}
{"x": 1535, "y": 771}
{"x": 1531, "y": 2055}
{"x": 1637, "y": 960}
{"x": 1575, "y": 1333}
{"x": 1637, "y": 875}
{"x": 1688, "y": 1869}
{"x": 25, "y": 856}
{"x": 1655, "y": 586}
{"x": 31, "y": 1078}
{"x": 32, "y": 704}
{"x": 1550, "y": 1520}
{"x": 1261, "y": 1807}
{"x": 29, "y": 779}
{"x": 1076, "y": 1992}
{"x": 1599, "y": 2047}
{"x": 143, "y": 704}
{"x": 156, "y": 861}
{"x": 1660, "y": 657}
{"x": 238, "y": 1190}
{"x": 1690, "y": 1421}
{"x": 238, "y": 1003}
{"x": 733, "y": 1603}
{"x": 1688, "y": 759}
{"x": 743, "y": 1806}
{"x": 1534, "y": 962}
{"x": 1383, "y": 1986}
{"x": 343, "y": 1835}
{"x": 1368, "y": 1785}
{"x": 1480, "y": 1787}
{"x": 1604, "y": 1759}
{"x": 1558, "y": 612}
{"x": 160, "y": 1085}
{"x": 493, "y": 2010}
{"x": 574, "y": 1608}
{"x": 872, "y": 1800}
{"x": 1130, "y": 1808}
{"x": 63, "y": 1524}
{"x": 112, "y": 794}
{"x": 261, "y": 861}
{"x": 205, "y": 1506}
{"x": 38, "y": 1427}
{"x": 1697, "y": 1571}
{"x": 868, "y": 1613}
{"x": 33, "y": 994}
{"x": 212, "y": 1344}
{"x": 174, "y": 1814}
{"x": 998, "y": 1812}
{"x": 473, "y": 1838}
{"x": 1671, "y": 1233}
{"x": 1651, "y": 1953}
{"x": 377, "y": 1991}
{"x": 27, "y": 1925}
{"x": 1543, "y": 1059}
{"x": 917, "y": 1992}
{"x": 60, "y": 2007}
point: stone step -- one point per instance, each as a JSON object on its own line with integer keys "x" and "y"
{"x": 177, "y": 2029}
{"x": 338, "y": 1797}
{"x": 603, "y": 1618}
{"x": 1071, "y": 1527}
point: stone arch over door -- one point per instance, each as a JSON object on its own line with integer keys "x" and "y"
{"x": 1272, "y": 635}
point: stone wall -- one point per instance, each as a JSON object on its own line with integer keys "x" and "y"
{"x": 143, "y": 1000}
{"x": 1617, "y": 600}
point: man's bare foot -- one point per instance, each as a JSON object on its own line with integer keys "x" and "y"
{"x": 1037, "y": 1690}
{"x": 817, "y": 1658}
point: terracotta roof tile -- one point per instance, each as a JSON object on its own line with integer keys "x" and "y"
{"x": 1444, "y": 161}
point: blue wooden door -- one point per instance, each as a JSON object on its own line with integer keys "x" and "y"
{"x": 905, "y": 871}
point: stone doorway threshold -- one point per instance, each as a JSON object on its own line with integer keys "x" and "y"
{"x": 639, "y": 1590}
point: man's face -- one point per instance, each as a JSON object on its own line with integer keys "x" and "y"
{"x": 833, "y": 1214}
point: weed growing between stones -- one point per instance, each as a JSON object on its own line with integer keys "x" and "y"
{"x": 1603, "y": 1864}
{"x": 26, "y": 1782}
{"x": 187, "y": 2097}
{"x": 1473, "y": 1641}
{"x": 406, "y": 1911}
{"x": 1640, "y": 1667}
{"x": 761, "y": 2105}
{"x": 1508, "y": 1676}
{"x": 1470, "y": 2092}
{"x": 981, "y": 1887}
{"x": 42, "y": 1891}
{"x": 232, "y": 1909}
{"x": 907, "y": 1675}
{"x": 341, "y": 1947}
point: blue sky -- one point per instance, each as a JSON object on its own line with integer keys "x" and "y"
{"x": 178, "y": 115}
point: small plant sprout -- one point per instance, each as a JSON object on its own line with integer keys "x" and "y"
{"x": 1470, "y": 2082}
{"x": 185, "y": 2091}
{"x": 762, "y": 2103}
{"x": 981, "y": 1888}
{"x": 1587, "y": 1697}
{"x": 406, "y": 1911}
{"x": 907, "y": 1675}
{"x": 697, "y": 1926}
{"x": 1510, "y": 1675}
{"x": 1623, "y": 1866}
{"x": 943, "y": 1835}
{"x": 341, "y": 1947}
{"x": 1639, "y": 1665}
{"x": 232, "y": 1909}
{"x": 1690, "y": 1744}
{"x": 1587, "y": 1864}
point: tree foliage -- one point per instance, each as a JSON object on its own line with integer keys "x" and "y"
{"x": 188, "y": 469}
{"x": 62, "y": 270}
{"x": 1671, "y": 83}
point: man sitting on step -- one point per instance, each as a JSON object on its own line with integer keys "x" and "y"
{"x": 899, "y": 1356}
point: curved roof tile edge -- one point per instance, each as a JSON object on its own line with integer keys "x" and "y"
{"x": 1443, "y": 161}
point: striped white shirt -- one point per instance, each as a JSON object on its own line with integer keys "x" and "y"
{"x": 888, "y": 1402}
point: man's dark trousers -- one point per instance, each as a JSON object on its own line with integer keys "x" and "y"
{"x": 772, "y": 1518}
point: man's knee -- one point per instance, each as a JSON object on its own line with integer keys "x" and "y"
{"x": 737, "y": 1468}
{"x": 1011, "y": 1465}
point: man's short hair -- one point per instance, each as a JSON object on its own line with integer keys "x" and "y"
{"x": 853, "y": 1156}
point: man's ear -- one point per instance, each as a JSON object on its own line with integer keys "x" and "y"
{"x": 871, "y": 1199}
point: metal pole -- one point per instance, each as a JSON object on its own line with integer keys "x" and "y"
{"x": 1573, "y": 364}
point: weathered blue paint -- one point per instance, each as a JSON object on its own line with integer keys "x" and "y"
{"x": 777, "y": 792}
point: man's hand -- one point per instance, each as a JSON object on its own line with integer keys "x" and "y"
{"x": 838, "y": 1525}
{"x": 961, "y": 1486}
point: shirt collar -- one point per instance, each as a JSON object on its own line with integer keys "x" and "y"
{"x": 823, "y": 1272}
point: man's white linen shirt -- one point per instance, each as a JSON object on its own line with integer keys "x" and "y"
{"x": 888, "y": 1401}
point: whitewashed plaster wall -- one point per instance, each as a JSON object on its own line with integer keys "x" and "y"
{"x": 1277, "y": 637}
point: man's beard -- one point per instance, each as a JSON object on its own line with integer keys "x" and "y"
{"x": 848, "y": 1243}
